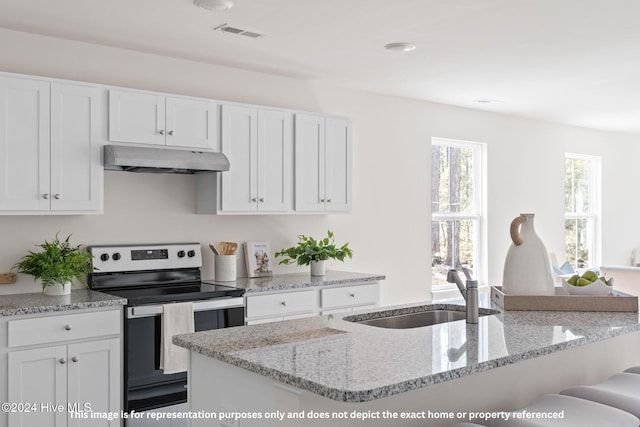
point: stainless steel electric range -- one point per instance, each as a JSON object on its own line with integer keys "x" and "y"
{"x": 149, "y": 276}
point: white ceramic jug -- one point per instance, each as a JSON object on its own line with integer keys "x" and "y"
{"x": 527, "y": 269}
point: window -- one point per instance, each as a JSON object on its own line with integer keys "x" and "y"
{"x": 582, "y": 210}
{"x": 456, "y": 207}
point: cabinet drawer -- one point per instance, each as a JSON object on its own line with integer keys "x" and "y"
{"x": 281, "y": 304}
{"x": 66, "y": 327}
{"x": 350, "y": 296}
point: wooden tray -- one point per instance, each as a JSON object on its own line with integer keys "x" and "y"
{"x": 564, "y": 302}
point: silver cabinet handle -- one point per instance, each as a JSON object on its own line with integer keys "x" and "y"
{"x": 161, "y": 131}
{"x": 63, "y": 361}
{"x": 254, "y": 199}
{"x": 74, "y": 359}
{"x": 57, "y": 196}
{"x": 67, "y": 327}
{"x": 171, "y": 132}
{"x": 45, "y": 196}
{"x": 328, "y": 200}
{"x": 284, "y": 303}
{"x": 261, "y": 199}
{"x": 322, "y": 200}
{"x": 352, "y": 294}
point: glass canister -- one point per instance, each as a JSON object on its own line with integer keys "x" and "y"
{"x": 527, "y": 268}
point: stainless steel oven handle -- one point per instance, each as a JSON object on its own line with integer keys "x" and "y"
{"x": 214, "y": 304}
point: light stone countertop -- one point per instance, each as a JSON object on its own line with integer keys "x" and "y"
{"x": 292, "y": 281}
{"x": 362, "y": 363}
{"x": 37, "y": 302}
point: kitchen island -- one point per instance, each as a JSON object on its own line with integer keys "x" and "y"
{"x": 330, "y": 371}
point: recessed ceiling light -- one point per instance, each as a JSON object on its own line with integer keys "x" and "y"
{"x": 217, "y": 5}
{"x": 400, "y": 47}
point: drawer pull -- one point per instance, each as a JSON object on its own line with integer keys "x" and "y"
{"x": 67, "y": 327}
{"x": 284, "y": 303}
{"x": 74, "y": 359}
{"x": 63, "y": 361}
{"x": 352, "y": 294}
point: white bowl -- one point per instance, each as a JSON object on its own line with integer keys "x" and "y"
{"x": 596, "y": 288}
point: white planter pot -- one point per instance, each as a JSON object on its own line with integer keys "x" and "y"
{"x": 317, "y": 268}
{"x": 58, "y": 289}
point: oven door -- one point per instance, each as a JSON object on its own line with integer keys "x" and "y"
{"x": 145, "y": 385}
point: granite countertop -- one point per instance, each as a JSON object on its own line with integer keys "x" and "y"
{"x": 37, "y": 302}
{"x": 285, "y": 282}
{"x": 362, "y": 363}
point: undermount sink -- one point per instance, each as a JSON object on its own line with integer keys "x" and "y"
{"x": 417, "y": 319}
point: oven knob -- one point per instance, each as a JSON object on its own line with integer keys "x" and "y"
{"x": 180, "y": 254}
{"x": 191, "y": 253}
{"x": 116, "y": 256}
{"x": 104, "y": 257}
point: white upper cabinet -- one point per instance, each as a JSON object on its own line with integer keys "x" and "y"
{"x": 322, "y": 163}
{"x": 275, "y": 160}
{"x": 24, "y": 145}
{"x": 76, "y": 171}
{"x": 149, "y": 118}
{"x": 259, "y": 145}
{"x": 239, "y": 142}
{"x": 51, "y": 153}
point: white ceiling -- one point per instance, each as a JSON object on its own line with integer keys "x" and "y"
{"x": 568, "y": 61}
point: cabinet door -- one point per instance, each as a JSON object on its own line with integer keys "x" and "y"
{"x": 337, "y": 164}
{"x": 309, "y": 163}
{"x": 24, "y": 145}
{"x": 76, "y": 175}
{"x": 94, "y": 377}
{"x": 239, "y": 143}
{"x": 38, "y": 376}
{"x": 275, "y": 161}
{"x": 191, "y": 123}
{"x": 136, "y": 117}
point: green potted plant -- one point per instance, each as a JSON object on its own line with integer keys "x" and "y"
{"x": 57, "y": 265}
{"x": 310, "y": 251}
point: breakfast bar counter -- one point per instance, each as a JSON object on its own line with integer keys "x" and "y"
{"x": 332, "y": 363}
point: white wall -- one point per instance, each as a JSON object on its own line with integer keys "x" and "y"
{"x": 389, "y": 225}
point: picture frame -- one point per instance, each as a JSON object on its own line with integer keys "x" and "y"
{"x": 258, "y": 259}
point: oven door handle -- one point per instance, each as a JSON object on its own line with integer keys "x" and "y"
{"x": 214, "y": 304}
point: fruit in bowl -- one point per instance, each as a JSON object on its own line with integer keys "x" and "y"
{"x": 588, "y": 284}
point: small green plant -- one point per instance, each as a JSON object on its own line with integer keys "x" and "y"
{"x": 58, "y": 262}
{"x": 309, "y": 249}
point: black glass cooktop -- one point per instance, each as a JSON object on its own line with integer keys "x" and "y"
{"x": 182, "y": 292}
{"x": 160, "y": 287}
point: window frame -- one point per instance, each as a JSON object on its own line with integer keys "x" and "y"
{"x": 594, "y": 215}
{"x": 477, "y": 213}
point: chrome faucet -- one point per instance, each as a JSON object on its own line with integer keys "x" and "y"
{"x": 469, "y": 292}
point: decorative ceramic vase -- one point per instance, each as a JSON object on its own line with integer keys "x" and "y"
{"x": 527, "y": 268}
{"x": 58, "y": 289}
{"x": 317, "y": 268}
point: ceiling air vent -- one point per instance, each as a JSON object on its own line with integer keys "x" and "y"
{"x": 239, "y": 31}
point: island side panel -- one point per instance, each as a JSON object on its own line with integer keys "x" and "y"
{"x": 218, "y": 387}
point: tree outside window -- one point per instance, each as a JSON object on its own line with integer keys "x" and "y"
{"x": 581, "y": 210}
{"x": 455, "y": 207}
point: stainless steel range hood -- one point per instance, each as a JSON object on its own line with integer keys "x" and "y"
{"x": 162, "y": 160}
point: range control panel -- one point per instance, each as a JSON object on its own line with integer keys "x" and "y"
{"x": 119, "y": 258}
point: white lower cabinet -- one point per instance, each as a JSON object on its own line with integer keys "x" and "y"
{"x": 349, "y": 297}
{"x": 59, "y": 380}
{"x": 276, "y": 306}
{"x": 69, "y": 382}
{"x": 281, "y": 306}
